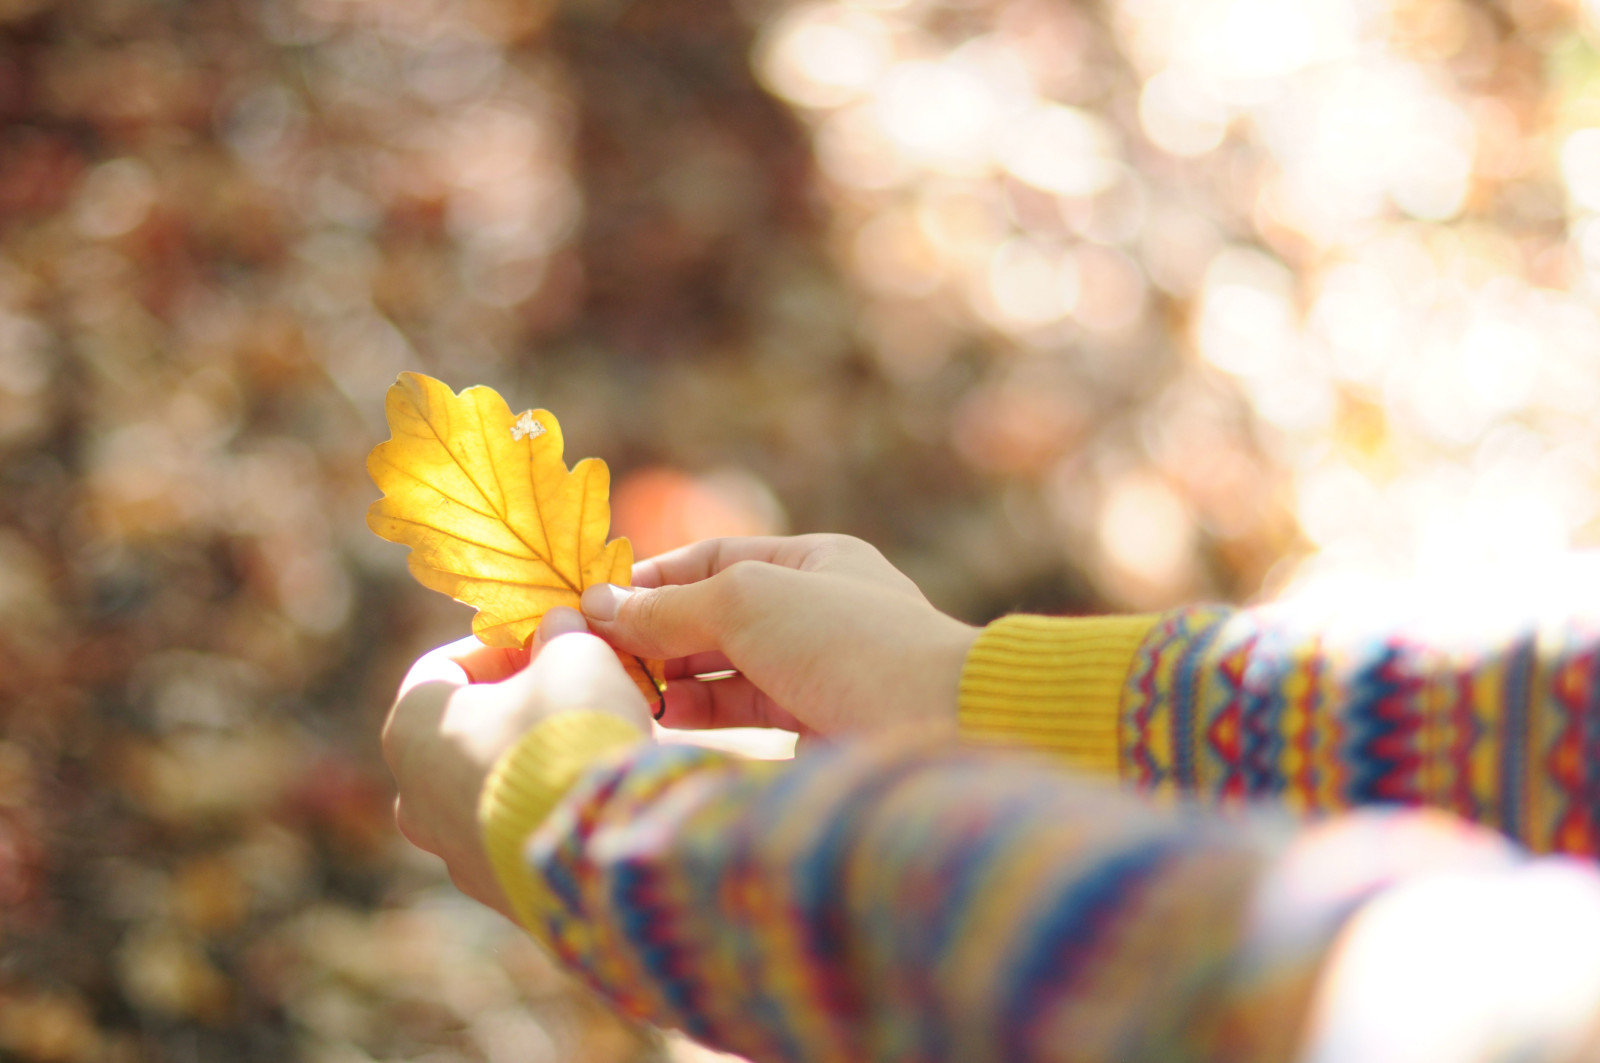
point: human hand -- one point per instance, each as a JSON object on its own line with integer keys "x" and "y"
{"x": 825, "y": 635}
{"x": 464, "y": 705}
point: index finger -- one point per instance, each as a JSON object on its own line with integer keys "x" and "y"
{"x": 704, "y": 559}
{"x": 433, "y": 679}
{"x": 440, "y": 664}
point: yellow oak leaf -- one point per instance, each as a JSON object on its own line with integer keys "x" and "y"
{"x": 492, "y": 514}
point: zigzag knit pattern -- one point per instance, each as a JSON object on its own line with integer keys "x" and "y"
{"x": 1231, "y": 705}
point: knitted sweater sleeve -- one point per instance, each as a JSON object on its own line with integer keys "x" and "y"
{"x": 1500, "y": 725}
{"x": 875, "y": 903}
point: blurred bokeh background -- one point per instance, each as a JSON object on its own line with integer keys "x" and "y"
{"x": 1068, "y": 305}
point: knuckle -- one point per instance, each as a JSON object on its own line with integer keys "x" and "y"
{"x": 747, "y": 588}
{"x": 404, "y": 824}
{"x": 570, "y": 666}
{"x": 850, "y": 546}
{"x": 814, "y": 541}
{"x": 587, "y": 648}
{"x": 644, "y": 609}
{"x": 389, "y": 741}
{"x": 827, "y": 549}
{"x": 741, "y": 580}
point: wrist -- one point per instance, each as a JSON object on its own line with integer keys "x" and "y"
{"x": 529, "y": 780}
{"x": 940, "y": 700}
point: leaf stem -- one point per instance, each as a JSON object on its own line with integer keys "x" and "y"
{"x": 661, "y": 688}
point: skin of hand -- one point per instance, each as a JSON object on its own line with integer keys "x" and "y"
{"x": 464, "y": 705}
{"x": 825, "y": 635}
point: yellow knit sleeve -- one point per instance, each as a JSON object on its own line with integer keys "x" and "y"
{"x": 528, "y": 781}
{"x": 1053, "y": 684}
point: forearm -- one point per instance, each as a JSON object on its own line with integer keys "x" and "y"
{"x": 877, "y": 904}
{"x": 1493, "y": 727}
{"x": 1225, "y": 705}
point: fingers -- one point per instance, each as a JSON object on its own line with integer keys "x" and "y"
{"x": 492, "y": 664}
{"x": 441, "y": 664}
{"x": 417, "y": 711}
{"x": 438, "y": 676}
{"x": 693, "y": 705}
{"x": 579, "y": 671}
{"x": 560, "y": 621}
{"x": 697, "y": 664}
{"x": 660, "y": 622}
{"x": 410, "y": 829}
{"x": 424, "y": 694}
{"x": 702, "y": 560}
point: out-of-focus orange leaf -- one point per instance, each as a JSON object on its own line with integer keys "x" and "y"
{"x": 492, "y": 514}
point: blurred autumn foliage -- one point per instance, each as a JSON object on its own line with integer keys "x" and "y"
{"x": 1064, "y": 305}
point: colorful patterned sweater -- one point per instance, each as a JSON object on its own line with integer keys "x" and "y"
{"x": 879, "y": 902}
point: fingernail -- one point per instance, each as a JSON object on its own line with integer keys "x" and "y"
{"x": 561, "y": 621}
{"x": 602, "y": 600}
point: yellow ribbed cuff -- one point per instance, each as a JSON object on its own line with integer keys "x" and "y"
{"x": 1053, "y": 684}
{"x": 528, "y": 781}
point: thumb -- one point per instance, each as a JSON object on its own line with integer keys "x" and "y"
{"x": 655, "y": 622}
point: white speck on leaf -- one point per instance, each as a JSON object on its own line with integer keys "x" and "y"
{"x": 526, "y": 427}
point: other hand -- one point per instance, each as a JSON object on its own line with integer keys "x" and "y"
{"x": 825, "y": 636}
{"x": 464, "y": 705}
